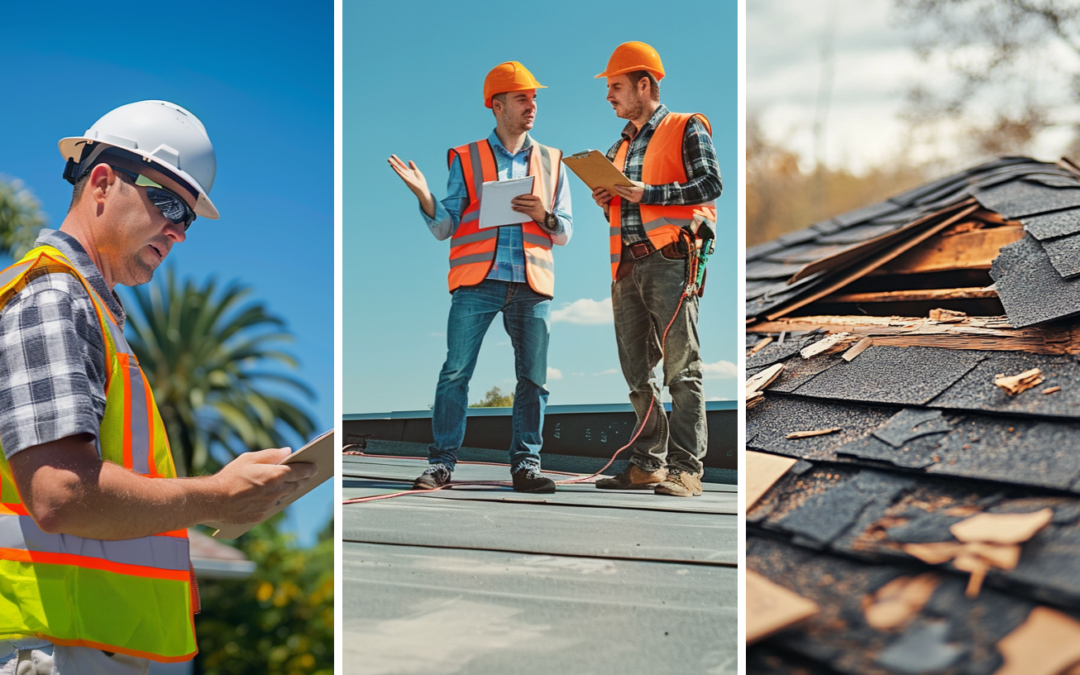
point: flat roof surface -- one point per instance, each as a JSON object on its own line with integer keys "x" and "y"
{"x": 487, "y": 580}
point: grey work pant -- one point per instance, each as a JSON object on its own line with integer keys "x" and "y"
{"x": 644, "y": 299}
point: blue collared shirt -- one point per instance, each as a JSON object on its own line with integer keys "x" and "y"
{"x": 509, "y": 262}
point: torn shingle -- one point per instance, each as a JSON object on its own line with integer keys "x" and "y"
{"x": 1050, "y": 225}
{"x": 912, "y": 423}
{"x": 1064, "y": 255}
{"x": 1017, "y": 199}
{"x": 1029, "y": 287}
{"x": 976, "y": 390}
{"x": 899, "y": 375}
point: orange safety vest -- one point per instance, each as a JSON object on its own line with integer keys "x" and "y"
{"x": 472, "y": 249}
{"x": 133, "y": 596}
{"x": 663, "y": 164}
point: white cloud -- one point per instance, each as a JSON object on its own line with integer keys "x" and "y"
{"x": 585, "y": 312}
{"x": 721, "y": 370}
{"x": 554, "y": 373}
{"x": 439, "y": 335}
{"x": 609, "y": 371}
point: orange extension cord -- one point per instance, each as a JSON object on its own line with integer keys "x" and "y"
{"x": 582, "y": 479}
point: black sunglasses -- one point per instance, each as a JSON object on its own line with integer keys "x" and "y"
{"x": 168, "y": 202}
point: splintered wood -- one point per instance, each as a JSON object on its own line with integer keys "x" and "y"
{"x": 771, "y": 607}
{"x": 985, "y": 541}
{"x": 763, "y": 379}
{"x": 993, "y": 333}
{"x": 859, "y": 348}
{"x": 761, "y": 344}
{"x": 1016, "y": 384}
{"x": 833, "y": 343}
{"x": 762, "y": 472}
{"x": 1048, "y": 643}
{"x": 808, "y": 434}
{"x": 897, "y": 602}
{"x": 947, "y": 316}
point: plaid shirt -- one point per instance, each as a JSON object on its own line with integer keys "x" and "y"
{"x": 52, "y": 354}
{"x": 699, "y": 158}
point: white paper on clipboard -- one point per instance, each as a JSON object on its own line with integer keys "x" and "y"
{"x": 321, "y": 452}
{"x": 495, "y": 208}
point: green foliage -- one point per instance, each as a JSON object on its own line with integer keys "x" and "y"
{"x": 495, "y": 399}
{"x": 206, "y": 357}
{"x": 20, "y": 218}
{"x": 278, "y": 622}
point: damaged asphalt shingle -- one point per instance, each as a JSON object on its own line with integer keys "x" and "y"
{"x": 1019, "y": 198}
{"x": 1029, "y": 287}
{"x": 1050, "y": 225}
{"x": 899, "y": 375}
{"x": 1064, "y": 255}
{"x": 911, "y": 423}
{"x": 977, "y": 391}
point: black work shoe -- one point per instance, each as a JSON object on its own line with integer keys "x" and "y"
{"x": 528, "y": 479}
{"x": 436, "y": 476}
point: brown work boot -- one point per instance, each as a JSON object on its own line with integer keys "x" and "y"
{"x": 632, "y": 478}
{"x": 679, "y": 483}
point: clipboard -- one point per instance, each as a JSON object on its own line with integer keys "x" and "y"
{"x": 320, "y": 452}
{"x": 495, "y": 197}
{"x": 596, "y": 170}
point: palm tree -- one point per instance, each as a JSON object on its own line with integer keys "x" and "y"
{"x": 20, "y": 218}
{"x": 206, "y": 358}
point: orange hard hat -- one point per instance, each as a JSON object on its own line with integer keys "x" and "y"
{"x": 509, "y": 76}
{"x": 631, "y": 56}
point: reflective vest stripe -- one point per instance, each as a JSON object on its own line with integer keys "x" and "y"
{"x": 111, "y": 648}
{"x": 482, "y": 235}
{"x": 470, "y": 259}
{"x": 473, "y": 250}
{"x": 13, "y": 509}
{"x": 537, "y": 240}
{"x": 24, "y": 556}
{"x": 153, "y": 553}
{"x": 662, "y": 165}
{"x": 539, "y": 261}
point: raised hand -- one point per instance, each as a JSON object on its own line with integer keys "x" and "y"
{"x": 415, "y": 181}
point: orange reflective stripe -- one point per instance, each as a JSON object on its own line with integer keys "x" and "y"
{"x": 9, "y": 509}
{"x": 24, "y": 556}
{"x": 114, "y": 648}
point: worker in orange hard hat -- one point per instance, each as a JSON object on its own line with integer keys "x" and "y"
{"x": 503, "y": 265}
{"x": 656, "y": 230}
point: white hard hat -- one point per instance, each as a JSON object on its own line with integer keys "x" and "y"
{"x": 169, "y": 138}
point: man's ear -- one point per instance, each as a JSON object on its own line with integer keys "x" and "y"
{"x": 102, "y": 179}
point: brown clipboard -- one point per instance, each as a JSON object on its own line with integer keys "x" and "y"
{"x": 320, "y": 452}
{"x": 596, "y": 170}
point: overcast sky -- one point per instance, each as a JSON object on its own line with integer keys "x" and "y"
{"x": 873, "y": 65}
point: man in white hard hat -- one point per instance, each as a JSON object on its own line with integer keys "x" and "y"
{"x": 656, "y": 229}
{"x": 94, "y": 554}
{"x": 507, "y": 268}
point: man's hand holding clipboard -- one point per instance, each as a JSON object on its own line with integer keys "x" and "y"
{"x": 605, "y": 181}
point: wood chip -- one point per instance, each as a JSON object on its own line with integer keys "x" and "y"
{"x": 1046, "y": 644}
{"x": 969, "y": 562}
{"x": 761, "y": 344}
{"x": 1015, "y": 384}
{"x": 947, "y": 316}
{"x": 1004, "y": 556}
{"x": 762, "y": 472}
{"x": 1001, "y": 528}
{"x": 897, "y": 602}
{"x": 807, "y": 434}
{"x": 1051, "y": 390}
{"x": 753, "y": 399}
{"x": 859, "y": 348}
{"x": 832, "y": 343}
{"x": 771, "y": 607}
{"x": 935, "y": 553}
{"x": 763, "y": 379}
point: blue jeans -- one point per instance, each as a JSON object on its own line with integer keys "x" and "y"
{"x": 526, "y": 317}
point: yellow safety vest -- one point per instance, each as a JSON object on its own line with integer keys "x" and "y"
{"x": 135, "y": 596}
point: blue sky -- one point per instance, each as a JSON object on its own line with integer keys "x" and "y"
{"x": 262, "y": 82}
{"x": 412, "y": 86}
